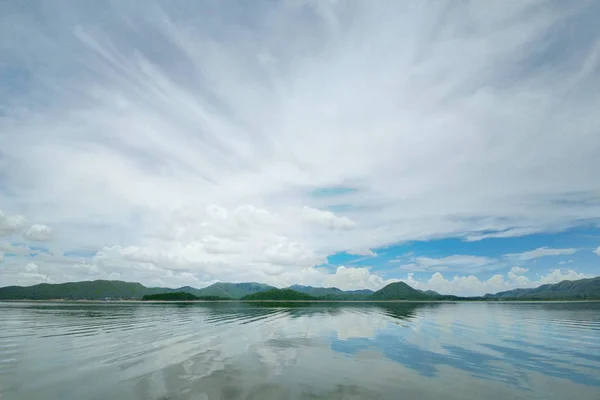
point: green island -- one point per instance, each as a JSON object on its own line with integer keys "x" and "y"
{"x": 577, "y": 290}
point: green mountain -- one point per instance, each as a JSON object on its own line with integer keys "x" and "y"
{"x": 333, "y": 293}
{"x": 101, "y": 289}
{"x": 90, "y": 290}
{"x": 582, "y": 289}
{"x": 232, "y": 290}
{"x": 400, "y": 291}
{"x": 279, "y": 294}
{"x": 178, "y": 296}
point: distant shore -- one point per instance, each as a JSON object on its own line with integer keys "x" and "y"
{"x": 291, "y": 301}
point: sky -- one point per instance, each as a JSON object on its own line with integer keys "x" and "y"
{"x": 451, "y": 145}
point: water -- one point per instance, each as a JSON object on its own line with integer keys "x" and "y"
{"x": 300, "y": 351}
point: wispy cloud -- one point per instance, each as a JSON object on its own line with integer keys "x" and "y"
{"x": 362, "y": 252}
{"x": 123, "y": 123}
{"x": 457, "y": 262}
{"x": 539, "y": 252}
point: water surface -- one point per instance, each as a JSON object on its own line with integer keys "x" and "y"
{"x": 198, "y": 351}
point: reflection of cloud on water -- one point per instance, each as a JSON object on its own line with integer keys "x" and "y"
{"x": 358, "y": 325}
{"x": 314, "y": 352}
{"x": 470, "y": 338}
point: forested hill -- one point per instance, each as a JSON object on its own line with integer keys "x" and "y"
{"x": 88, "y": 290}
{"x": 280, "y": 294}
{"x": 114, "y": 290}
{"x": 400, "y": 291}
{"x": 582, "y": 289}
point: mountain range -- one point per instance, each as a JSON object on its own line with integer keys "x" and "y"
{"x": 583, "y": 289}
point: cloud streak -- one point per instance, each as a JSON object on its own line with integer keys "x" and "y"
{"x": 540, "y": 252}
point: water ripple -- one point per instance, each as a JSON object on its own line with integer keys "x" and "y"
{"x": 382, "y": 350}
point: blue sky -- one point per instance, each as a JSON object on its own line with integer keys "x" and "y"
{"x": 342, "y": 143}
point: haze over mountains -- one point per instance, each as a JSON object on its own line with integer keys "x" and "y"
{"x": 583, "y": 289}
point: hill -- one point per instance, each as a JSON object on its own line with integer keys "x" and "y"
{"x": 89, "y": 290}
{"x": 400, "y": 291}
{"x": 114, "y": 290}
{"x": 232, "y": 290}
{"x": 179, "y": 296}
{"x": 333, "y": 293}
{"x": 279, "y": 294}
{"x": 582, "y": 289}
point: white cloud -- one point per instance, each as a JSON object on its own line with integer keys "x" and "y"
{"x": 565, "y": 262}
{"x": 31, "y": 267}
{"x": 347, "y": 278}
{"x": 1, "y": 256}
{"x": 457, "y": 262}
{"x": 38, "y": 233}
{"x": 473, "y": 286}
{"x": 10, "y": 224}
{"x": 540, "y": 252}
{"x": 203, "y": 156}
{"x": 327, "y": 218}
{"x": 362, "y": 252}
{"x": 597, "y": 251}
{"x": 14, "y": 249}
{"x": 516, "y": 232}
{"x": 518, "y": 270}
{"x": 516, "y": 274}
{"x": 559, "y": 275}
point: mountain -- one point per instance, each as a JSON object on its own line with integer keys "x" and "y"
{"x": 232, "y": 290}
{"x": 582, "y": 289}
{"x": 400, "y": 291}
{"x": 178, "y": 296}
{"x": 333, "y": 293}
{"x": 101, "y": 289}
{"x": 279, "y": 294}
{"x": 91, "y": 290}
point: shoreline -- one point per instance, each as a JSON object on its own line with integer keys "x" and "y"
{"x": 290, "y": 301}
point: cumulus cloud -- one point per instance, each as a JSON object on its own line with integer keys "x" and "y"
{"x": 10, "y": 224}
{"x": 559, "y": 275}
{"x": 31, "y": 267}
{"x": 597, "y": 251}
{"x": 516, "y": 274}
{"x": 540, "y": 252}
{"x": 198, "y": 150}
{"x": 518, "y": 270}
{"x": 38, "y": 233}
{"x": 473, "y": 286}
{"x": 355, "y": 278}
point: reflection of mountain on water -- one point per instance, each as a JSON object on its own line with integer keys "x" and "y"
{"x": 404, "y": 310}
{"x": 244, "y": 313}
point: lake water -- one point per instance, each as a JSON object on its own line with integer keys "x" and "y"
{"x": 264, "y": 351}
